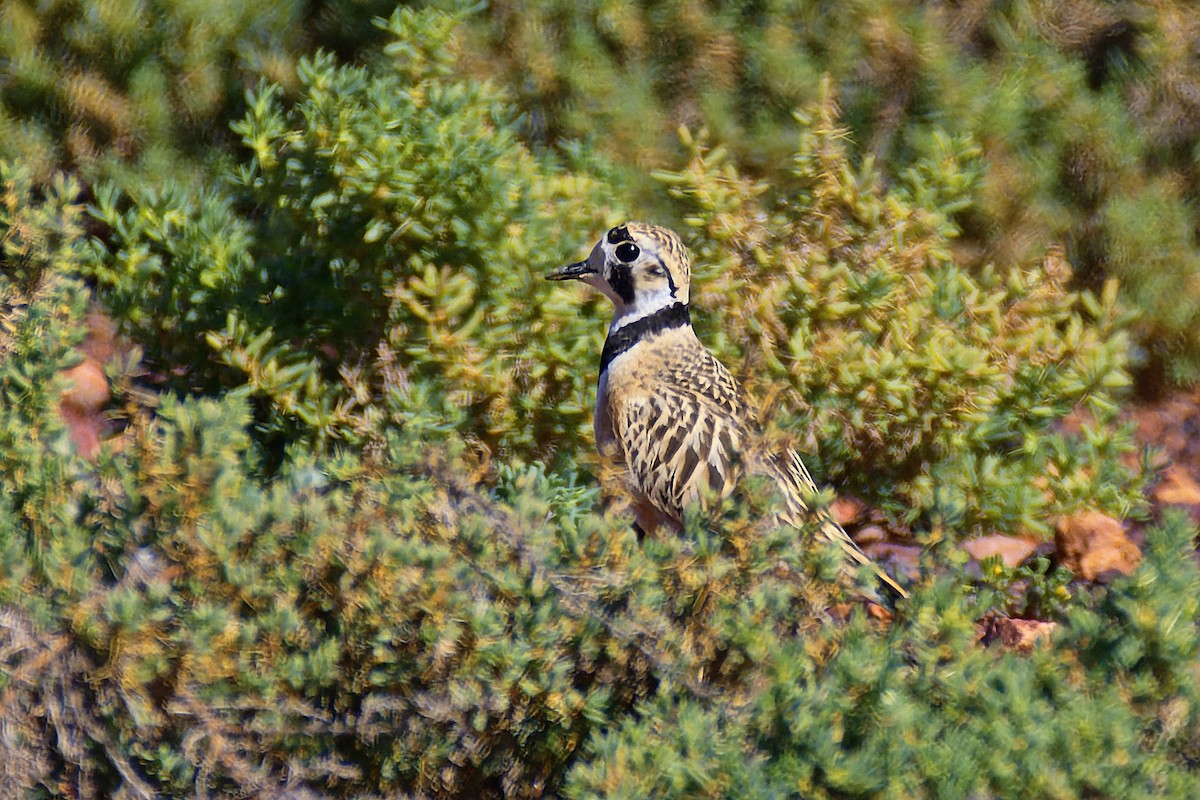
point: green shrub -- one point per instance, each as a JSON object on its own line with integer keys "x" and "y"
{"x": 176, "y": 626}
{"x": 389, "y": 233}
{"x": 139, "y": 92}
{"x": 42, "y": 304}
{"x": 1085, "y": 113}
{"x": 933, "y": 388}
{"x": 353, "y": 628}
{"x": 356, "y": 628}
{"x": 407, "y": 259}
{"x": 922, "y": 712}
{"x": 134, "y": 91}
{"x": 318, "y": 556}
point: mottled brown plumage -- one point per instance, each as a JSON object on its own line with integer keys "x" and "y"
{"x": 666, "y": 408}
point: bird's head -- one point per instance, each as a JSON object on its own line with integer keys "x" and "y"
{"x": 642, "y": 268}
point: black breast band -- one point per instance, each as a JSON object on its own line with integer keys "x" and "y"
{"x": 620, "y": 340}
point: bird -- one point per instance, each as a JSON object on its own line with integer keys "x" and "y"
{"x": 667, "y": 410}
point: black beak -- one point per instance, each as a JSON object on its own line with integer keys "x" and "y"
{"x": 576, "y": 271}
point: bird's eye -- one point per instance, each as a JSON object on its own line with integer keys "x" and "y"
{"x": 627, "y": 252}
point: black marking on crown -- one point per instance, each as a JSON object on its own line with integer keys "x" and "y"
{"x": 622, "y": 339}
{"x": 619, "y": 234}
{"x": 621, "y": 281}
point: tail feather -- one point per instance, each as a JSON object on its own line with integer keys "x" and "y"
{"x": 794, "y": 478}
{"x": 835, "y": 533}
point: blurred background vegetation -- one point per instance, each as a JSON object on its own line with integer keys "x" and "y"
{"x": 337, "y": 529}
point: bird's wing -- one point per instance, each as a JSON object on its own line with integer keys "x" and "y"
{"x": 679, "y": 445}
{"x": 691, "y": 433}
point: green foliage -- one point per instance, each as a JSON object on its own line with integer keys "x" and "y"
{"x": 935, "y": 389}
{"x": 353, "y": 628}
{"x": 921, "y": 712}
{"x": 1045, "y": 590}
{"x": 1085, "y": 113}
{"x": 356, "y": 628}
{"x": 342, "y": 539}
{"x": 42, "y": 302}
{"x": 119, "y": 89}
{"x": 394, "y": 222}
{"x": 395, "y": 245}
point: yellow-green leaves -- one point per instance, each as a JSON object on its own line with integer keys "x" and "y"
{"x": 904, "y": 368}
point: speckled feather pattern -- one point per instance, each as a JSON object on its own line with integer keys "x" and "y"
{"x": 678, "y": 420}
{"x": 685, "y": 434}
